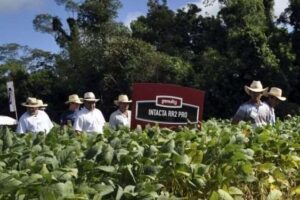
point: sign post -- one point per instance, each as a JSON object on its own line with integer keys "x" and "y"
{"x": 166, "y": 104}
{"x": 11, "y": 97}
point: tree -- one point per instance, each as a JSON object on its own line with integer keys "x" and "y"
{"x": 32, "y": 71}
{"x": 241, "y": 44}
{"x": 157, "y": 27}
{"x": 219, "y": 54}
{"x": 99, "y": 54}
{"x": 291, "y": 17}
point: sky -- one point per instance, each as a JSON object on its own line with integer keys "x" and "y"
{"x": 16, "y": 18}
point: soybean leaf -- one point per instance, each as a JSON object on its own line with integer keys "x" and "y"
{"x": 274, "y": 195}
{"x": 224, "y": 195}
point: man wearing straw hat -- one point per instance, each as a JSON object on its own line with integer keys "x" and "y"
{"x": 122, "y": 116}
{"x": 254, "y": 110}
{"x": 34, "y": 120}
{"x": 89, "y": 119}
{"x": 68, "y": 117}
{"x": 274, "y": 98}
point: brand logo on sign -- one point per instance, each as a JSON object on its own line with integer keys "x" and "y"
{"x": 168, "y": 101}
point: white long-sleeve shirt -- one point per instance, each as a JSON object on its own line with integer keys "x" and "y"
{"x": 34, "y": 123}
{"x": 89, "y": 121}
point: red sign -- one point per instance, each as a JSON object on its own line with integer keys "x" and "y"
{"x": 166, "y": 104}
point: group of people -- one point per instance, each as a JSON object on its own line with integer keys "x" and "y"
{"x": 256, "y": 111}
{"x": 90, "y": 119}
{"x": 87, "y": 119}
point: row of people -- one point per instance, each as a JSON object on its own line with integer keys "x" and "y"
{"x": 88, "y": 119}
{"x": 256, "y": 111}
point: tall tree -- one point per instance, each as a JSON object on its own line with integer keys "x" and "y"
{"x": 99, "y": 54}
{"x": 291, "y": 17}
{"x": 157, "y": 27}
{"x": 81, "y": 61}
{"x": 240, "y": 44}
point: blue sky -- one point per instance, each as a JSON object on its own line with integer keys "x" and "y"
{"x": 16, "y": 18}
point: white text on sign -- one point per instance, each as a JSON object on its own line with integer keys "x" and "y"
{"x": 169, "y": 113}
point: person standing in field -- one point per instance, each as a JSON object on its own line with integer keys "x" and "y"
{"x": 89, "y": 119}
{"x": 274, "y": 98}
{"x": 34, "y": 120}
{"x": 254, "y": 110}
{"x": 122, "y": 116}
{"x": 69, "y": 116}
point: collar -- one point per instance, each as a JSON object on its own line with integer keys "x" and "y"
{"x": 256, "y": 104}
{"x": 121, "y": 113}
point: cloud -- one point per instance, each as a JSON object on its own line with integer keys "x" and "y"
{"x": 213, "y": 9}
{"x": 130, "y": 17}
{"x": 210, "y": 9}
{"x": 279, "y": 6}
{"x": 207, "y": 9}
{"x": 8, "y": 6}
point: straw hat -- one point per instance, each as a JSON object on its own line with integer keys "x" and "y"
{"x": 276, "y": 92}
{"x": 41, "y": 103}
{"x": 31, "y": 102}
{"x": 255, "y": 86}
{"x": 123, "y": 98}
{"x": 74, "y": 98}
{"x": 89, "y": 96}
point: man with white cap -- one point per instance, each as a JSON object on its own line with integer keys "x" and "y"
{"x": 89, "y": 119}
{"x": 254, "y": 110}
{"x": 34, "y": 120}
{"x": 122, "y": 116}
{"x": 274, "y": 98}
{"x": 69, "y": 116}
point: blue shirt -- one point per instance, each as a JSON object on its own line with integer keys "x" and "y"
{"x": 68, "y": 117}
{"x": 258, "y": 115}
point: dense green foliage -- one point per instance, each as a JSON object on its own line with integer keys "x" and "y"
{"x": 242, "y": 43}
{"x": 222, "y": 161}
{"x": 218, "y": 54}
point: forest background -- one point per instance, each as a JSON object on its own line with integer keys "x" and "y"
{"x": 217, "y": 54}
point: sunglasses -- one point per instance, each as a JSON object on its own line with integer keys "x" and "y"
{"x": 257, "y": 93}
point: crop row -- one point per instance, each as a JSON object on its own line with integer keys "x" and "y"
{"x": 220, "y": 161}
